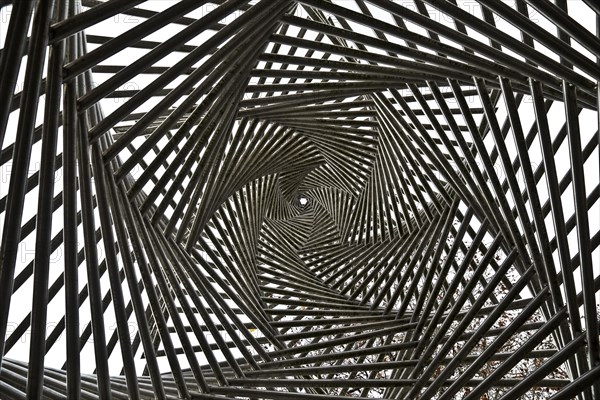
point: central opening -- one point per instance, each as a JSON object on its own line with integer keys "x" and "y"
{"x": 303, "y": 201}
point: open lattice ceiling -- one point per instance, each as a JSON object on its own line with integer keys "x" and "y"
{"x": 279, "y": 199}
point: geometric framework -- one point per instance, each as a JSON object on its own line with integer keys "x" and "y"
{"x": 309, "y": 199}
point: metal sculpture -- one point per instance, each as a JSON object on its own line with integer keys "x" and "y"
{"x": 309, "y": 199}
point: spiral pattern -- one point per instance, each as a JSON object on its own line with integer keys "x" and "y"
{"x": 281, "y": 199}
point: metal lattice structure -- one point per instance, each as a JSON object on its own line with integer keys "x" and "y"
{"x": 309, "y": 199}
